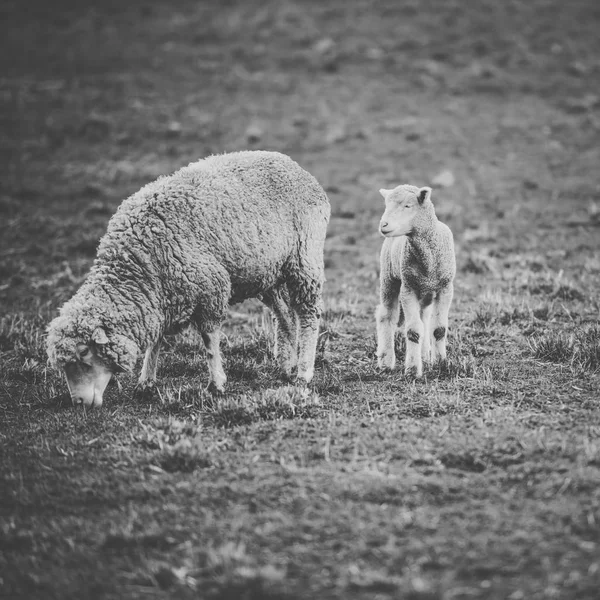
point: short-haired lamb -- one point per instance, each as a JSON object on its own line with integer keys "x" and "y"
{"x": 221, "y": 230}
{"x": 416, "y": 279}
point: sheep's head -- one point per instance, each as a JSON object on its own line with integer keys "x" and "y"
{"x": 89, "y": 360}
{"x": 403, "y": 205}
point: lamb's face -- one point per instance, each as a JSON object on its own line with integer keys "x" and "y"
{"x": 402, "y": 206}
{"x": 87, "y": 377}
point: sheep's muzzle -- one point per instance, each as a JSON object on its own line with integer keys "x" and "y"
{"x": 87, "y": 383}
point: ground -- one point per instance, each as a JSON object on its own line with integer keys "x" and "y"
{"x": 482, "y": 481}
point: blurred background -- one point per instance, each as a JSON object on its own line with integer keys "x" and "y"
{"x": 494, "y": 104}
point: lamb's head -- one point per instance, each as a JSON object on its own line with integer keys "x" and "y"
{"x": 89, "y": 357}
{"x": 403, "y": 207}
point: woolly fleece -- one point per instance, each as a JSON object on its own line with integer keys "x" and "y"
{"x": 219, "y": 231}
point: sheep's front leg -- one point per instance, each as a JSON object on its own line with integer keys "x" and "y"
{"x": 387, "y": 316}
{"x": 440, "y": 324}
{"x": 145, "y": 388}
{"x": 150, "y": 365}
{"x": 217, "y": 376}
{"x": 413, "y": 364}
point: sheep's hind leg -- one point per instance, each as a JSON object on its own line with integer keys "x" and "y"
{"x": 306, "y": 301}
{"x": 440, "y": 325}
{"x": 286, "y": 326}
{"x": 413, "y": 364}
{"x": 308, "y": 333}
{"x": 387, "y": 315}
{"x": 217, "y": 377}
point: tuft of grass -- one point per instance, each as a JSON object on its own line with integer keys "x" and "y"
{"x": 179, "y": 443}
{"x": 23, "y": 337}
{"x": 289, "y": 402}
{"x": 233, "y": 572}
{"x": 579, "y": 349}
{"x": 185, "y": 456}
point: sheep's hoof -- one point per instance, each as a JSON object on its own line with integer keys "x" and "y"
{"x": 288, "y": 374}
{"x": 145, "y": 391}
{"x": 215, "y": 390}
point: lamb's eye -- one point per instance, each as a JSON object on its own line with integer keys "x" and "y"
{"x": 84, "y": 352}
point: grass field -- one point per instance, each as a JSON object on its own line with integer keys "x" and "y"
{"x": 479, "y": 482}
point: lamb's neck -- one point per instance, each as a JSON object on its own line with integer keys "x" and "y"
{"x": 425, "y": 230}
{"x": 422, "y": 243}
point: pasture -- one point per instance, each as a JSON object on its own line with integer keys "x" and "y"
{"x": 479, "y": 481}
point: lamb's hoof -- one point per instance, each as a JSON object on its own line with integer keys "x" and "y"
{"x": 385, "y": 363}
{"x": 441, "y": 368}
{"x": 146, "y": 391}
{"x": 215, "y": 390}
{"x": 412, "y": 374}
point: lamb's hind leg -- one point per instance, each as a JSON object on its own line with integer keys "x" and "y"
{"x": 413, "y": 364}
{"x": 286, "y": 326}
{"x": 387, "y": 316}
{"x": 440, "y": 324}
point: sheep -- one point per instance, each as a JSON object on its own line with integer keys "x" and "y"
{"x": 416, "y": 279}
{"x": 224, "y": 229}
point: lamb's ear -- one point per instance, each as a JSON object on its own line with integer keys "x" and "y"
{"x": 424, "y": 194}
{"x": 99, "y": 336}
{"x": 384, "y": 193}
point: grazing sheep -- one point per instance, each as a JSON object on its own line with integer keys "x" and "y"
{"x": 219, "y": 231}
{"x": 416, "y": 279}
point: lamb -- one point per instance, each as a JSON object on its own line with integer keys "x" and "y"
{"x": 416, "y": 279}
{"x": 221, "y": 230}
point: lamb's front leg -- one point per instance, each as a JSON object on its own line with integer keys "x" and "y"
{"x": 440, "y": 324}
{"x": 217, "y": 377}
{"x": 426, "y": 311}
{"x": 386, "y": 316}
{"x": 413, "y": 364}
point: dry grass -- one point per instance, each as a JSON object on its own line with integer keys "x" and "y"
{"x": 480, "y": 480}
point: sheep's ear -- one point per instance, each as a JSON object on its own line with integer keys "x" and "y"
{"x": 99, "y": 336}
{"x": 384, "y": 193}
{"x": 424, "y": 194}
